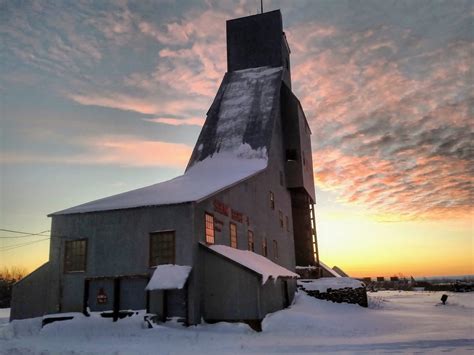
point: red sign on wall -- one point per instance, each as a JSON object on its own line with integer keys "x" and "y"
{"x": 101, "y": 296}
{"x": 221, "y": 208}
{"x": 237, "y": 216}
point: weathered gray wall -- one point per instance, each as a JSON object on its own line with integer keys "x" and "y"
{"x": 235, "y": 293}
{"x": 264, "y": 221}
{"x": 297, "y": 136}
{"x": 30, "y": 295}
{"x": 118, "y": 244}
{"x": 276, "y": 294}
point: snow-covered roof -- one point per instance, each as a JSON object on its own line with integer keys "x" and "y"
{"x": 254, "y": 262}
{"x": 328, "y": 269}
{"x": 324, "y": 266}
{"x": 334, "y": 283}
{"x": 203, "y": 179}
{"x": 241, "y": 113}
{"x": 168, "y": 277}
{"x": 233, "y": 145}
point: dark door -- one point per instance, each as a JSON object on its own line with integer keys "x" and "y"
{"x": 286, "y": 297}
{"x": 176, "y": 303}
{"x": 132, "y": 293}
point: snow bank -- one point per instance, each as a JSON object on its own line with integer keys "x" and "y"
{"x": 334, "y": 283}
{"x": 204, "y": 178}
{"x": 168, "y": 277}
{"x": 255, "y": 262}
{"x": 408, "y": 323}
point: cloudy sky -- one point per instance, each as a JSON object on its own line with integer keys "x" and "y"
{"x": 101, "y": 97}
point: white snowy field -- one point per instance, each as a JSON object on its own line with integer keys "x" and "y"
{"x": 396, "y": 322}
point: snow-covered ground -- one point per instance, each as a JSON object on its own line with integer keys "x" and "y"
{"x": 396, "y": 322}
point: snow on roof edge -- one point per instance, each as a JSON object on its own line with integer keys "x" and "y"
{"x": 224, "y": 251}
{"x": 64, "y": 211}
{"x": 169, "y": 277}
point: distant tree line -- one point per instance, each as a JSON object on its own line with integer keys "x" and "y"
{"x": 8, "y": 276}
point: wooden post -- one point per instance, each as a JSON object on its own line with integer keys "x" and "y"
{"x": 85, "y": 298}
{"x": 116, "y": 299}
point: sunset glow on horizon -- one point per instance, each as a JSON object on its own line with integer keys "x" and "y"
{"x": 102, "y": 98}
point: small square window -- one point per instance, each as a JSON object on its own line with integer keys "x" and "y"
{"x": 162, "y": 248}
{"x": 233, "y": 235}
{"x": 75, "y": 255}
{"x": 272, "y": 200}
{"x": 291, "y": 154}
{"x": 209, "y": 220}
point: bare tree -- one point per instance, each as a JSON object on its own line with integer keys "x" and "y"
{"x": 12, "y": 273}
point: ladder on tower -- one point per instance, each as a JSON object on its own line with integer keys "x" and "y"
{"x": 314, "y": 238}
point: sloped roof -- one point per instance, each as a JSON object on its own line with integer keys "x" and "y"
{"x": 233, "y": 145}
{"x": 204, "y": 179}
{"x": 168, "y": 277}
{"x": 241, "y": 113}
{"x": 255, "y": 262}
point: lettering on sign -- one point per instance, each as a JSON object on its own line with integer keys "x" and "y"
{"x": 221, "y": 208}
{"x": 237, "y": 216}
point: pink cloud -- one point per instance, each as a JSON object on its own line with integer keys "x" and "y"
{"x": 191, "y": 121}
{"x": 114, "y": 150}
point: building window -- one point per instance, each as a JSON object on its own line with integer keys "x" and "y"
{"x": 162, "y": 248}
{"x": 264, "y": 247}
{"x": 280, "y": 215}
{"x": 75, "y": 255}
{"x": 287, "y": 220}
{"x": 251, "y": 244}
{"x": 209, "y": 228}
{"x": 272, "y": 200}
{"x": 233, "y": 235}
{"x": 291, "y": 154}
{"x": 281, "y": 178}
{"x": 275, "y": 249}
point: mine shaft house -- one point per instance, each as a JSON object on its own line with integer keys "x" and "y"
{"x": 221, "y": 241}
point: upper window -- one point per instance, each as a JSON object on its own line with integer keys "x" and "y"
{"x": 291, "y": 154}
{"x": 209, "y": 228}
{"x": 75, "y": 255}
{"x": 272, "y": 200}
{"x": 264, "y": 247}
{"x": 233, "y": 235}
{"x": 275, "y": 249}
{"x": 280, "y": 215}
{"x": 251, "y": 245}
{"x": 162, "y": 248}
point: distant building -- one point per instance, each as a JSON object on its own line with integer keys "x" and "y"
{"x": 380, "y": 279}
{"x": 220, "y": 242}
